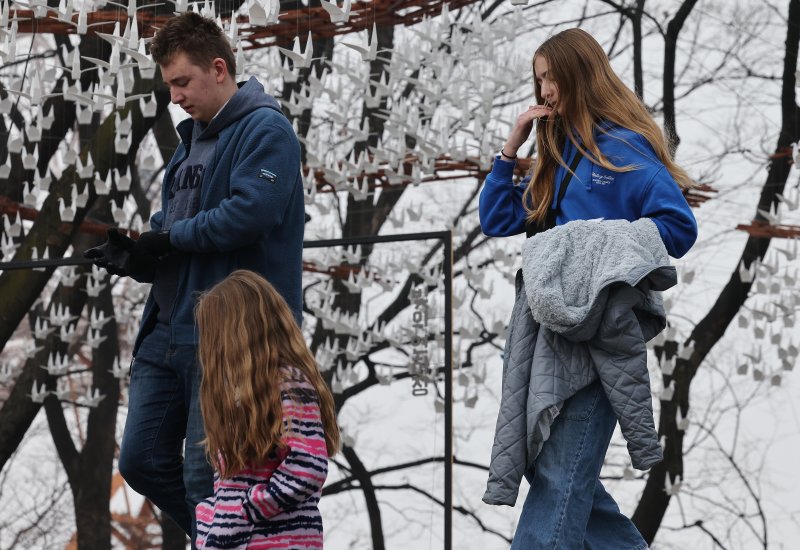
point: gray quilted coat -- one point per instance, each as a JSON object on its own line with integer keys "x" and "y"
{"x": 586, "y": 305}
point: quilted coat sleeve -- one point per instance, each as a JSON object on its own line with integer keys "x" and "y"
{"x": 509, "y": 451}
{"x": 620, "y": 356}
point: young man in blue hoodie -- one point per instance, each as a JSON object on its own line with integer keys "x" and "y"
{"x": 232, "y": 199}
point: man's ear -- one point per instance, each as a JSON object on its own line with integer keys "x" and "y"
{"x": 220, "y": 69}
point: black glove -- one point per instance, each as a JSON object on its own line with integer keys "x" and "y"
{"x": 153, "y": 243}
{"x": 114, "y": 254}
{"x": 118, "y": 255}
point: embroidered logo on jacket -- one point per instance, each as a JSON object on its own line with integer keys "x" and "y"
{"x": 267, "y": 175}
{"x": 602, "y": 179}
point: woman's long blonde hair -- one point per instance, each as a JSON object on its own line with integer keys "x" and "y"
{"x": 589, "y": 93}
{"x": 247, "y": 332}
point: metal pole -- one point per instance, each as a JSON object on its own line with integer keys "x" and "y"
{"x": 47, "y": 262}
{"x": 372, "y": 239}
{"x": 448, "y": 390}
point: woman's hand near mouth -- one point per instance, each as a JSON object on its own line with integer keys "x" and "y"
{"x": 522, "y": 129}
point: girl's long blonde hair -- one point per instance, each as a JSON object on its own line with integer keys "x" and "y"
{"x": 247, "y": 332}
{"x": 589, "y": 93}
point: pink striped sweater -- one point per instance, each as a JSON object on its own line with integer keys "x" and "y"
{"x": 274, "y": 505}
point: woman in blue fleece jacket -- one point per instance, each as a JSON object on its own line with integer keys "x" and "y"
{"x": 600, "y": 156}
{"x": 625, "y": 171}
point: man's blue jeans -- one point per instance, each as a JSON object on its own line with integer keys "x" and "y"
{"x": 163, "y": 410}
{"x": 567, "y": 507}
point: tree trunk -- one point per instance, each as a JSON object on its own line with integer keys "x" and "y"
{"x": 670, "y": 45}
{"x": 92, "y": 514}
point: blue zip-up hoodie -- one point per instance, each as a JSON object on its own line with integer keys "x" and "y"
{"x": 595, "y": 192}
{"x": 250, "y": 213}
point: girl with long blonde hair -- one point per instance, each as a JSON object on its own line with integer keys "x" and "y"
{"x": 600, "y": 155}
{"x": 269, "y": 419}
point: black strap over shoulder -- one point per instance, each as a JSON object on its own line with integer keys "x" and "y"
{"x": 532, "y": 229}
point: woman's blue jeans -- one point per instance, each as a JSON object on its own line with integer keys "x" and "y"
{"x": 567, "y": 507}
{"x": 163, "y": 410}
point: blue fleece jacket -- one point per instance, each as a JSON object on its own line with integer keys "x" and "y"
{"x": 595, "y": 192}
{"x": 250, "y": 213}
